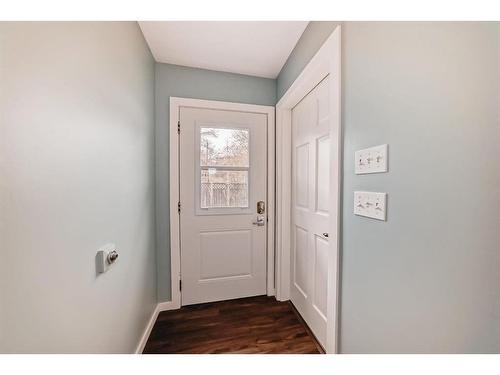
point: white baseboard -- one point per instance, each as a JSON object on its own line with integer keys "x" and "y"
{"x": 147, "y": 331}
{"x": 162, "y": 306}
{"x": 165, "y": 306}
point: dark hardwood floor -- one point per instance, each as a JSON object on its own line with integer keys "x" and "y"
{"x": 248, "y": 325}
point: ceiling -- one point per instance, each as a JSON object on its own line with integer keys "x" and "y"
{"x": 257, "y": 48}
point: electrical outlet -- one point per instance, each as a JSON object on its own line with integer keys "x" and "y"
{"x": 370, "y": 204}
{"x": 371, "y": 160}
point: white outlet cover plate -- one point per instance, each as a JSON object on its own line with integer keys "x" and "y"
{"x": 371, "y": 160}
{"x": 370, "y": 204}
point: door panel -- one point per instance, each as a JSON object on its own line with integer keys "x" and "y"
{"x": 320, "y": 275}
{"x": 223, "y": 175}
{"x": 310, "y": 208}
{"x": 234, "y": 246}
{"x": 301, "y": 260}
{"x": 302, "y": 180}
{"x": 323, "y": 175}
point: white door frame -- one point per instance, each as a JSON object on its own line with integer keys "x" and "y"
{"x": 325, "y": 62}
{"x": 175, "y": 249}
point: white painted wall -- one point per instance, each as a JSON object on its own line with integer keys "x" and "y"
{"x": 76, "y": 172}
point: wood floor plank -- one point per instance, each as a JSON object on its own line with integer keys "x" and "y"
{"x": 253, "y": 325}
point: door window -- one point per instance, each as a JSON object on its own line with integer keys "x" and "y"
{"x": 224, "y": 163}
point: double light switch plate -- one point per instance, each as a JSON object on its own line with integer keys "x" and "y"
{"x": 366, "y": 203}
{"x": 371, "y": 160}
{"x": 370, "y": 204}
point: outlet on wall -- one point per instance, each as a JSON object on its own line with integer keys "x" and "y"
{"x": 370, "y": 204}
{"x": 371, "y": 160}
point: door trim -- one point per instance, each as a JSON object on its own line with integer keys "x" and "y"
{"x": 175, "y": 249}
{"x": 326, "y": 62}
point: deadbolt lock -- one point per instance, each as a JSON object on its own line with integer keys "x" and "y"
{"x": 261, "y": 207}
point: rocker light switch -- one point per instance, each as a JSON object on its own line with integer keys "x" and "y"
{"x": 370, "y": 204}
{"x": 371, "y": 160}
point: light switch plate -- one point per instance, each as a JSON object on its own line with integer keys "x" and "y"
{"x": 370, "y": 204}
{"x": 371, "y": 160}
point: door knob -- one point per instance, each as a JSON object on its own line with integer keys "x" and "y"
{"x": 325, "y": 235}
{"x": 260, "y": 222}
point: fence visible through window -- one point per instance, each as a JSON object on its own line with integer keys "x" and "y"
{"x": 224, "y": 164}
{"x": 218, "y": 195}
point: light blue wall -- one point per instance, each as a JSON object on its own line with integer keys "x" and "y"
{"x": 76, "y": 173}
{"x": 180, "y": 81}
{"x": 426, "y": 280}
{"x": 309, "y": 43}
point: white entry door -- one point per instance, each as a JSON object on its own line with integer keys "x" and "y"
{"x": 223, "y": 156}
{"x": 310, "y": 208}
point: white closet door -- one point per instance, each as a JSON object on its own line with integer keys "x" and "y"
{"x": 310, "y": 208}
